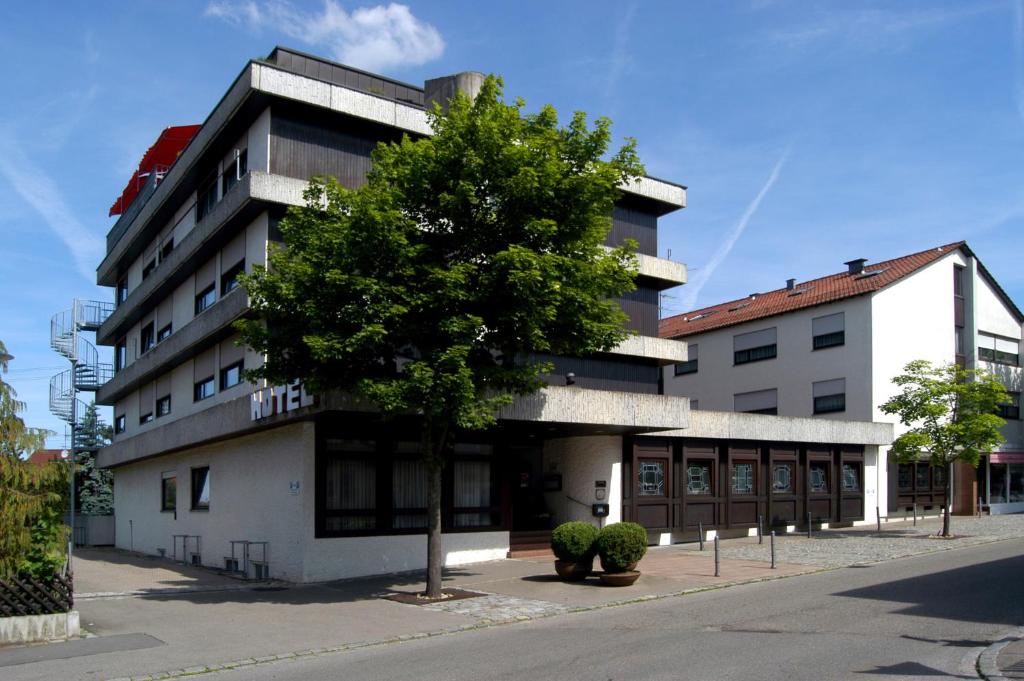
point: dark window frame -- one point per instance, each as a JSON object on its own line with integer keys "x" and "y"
{"x": 823, "y": 406}
{"x": 121, "y": 293}
{"x": 119, "y": 424}
{"x": 148, "y": 268}
{"x": 166, "y": 248}
{"x": 199, "y": 389}
{"x": 1010, "y": 411}
{"x": 206, "y": 198}
{"x": 169, "y": 502}
{"x": 201, "y": 475}
{"x": 160, "y": 402}
{"x": 687, "y": 367}
{"x": 147, "y": 338}
{"x": 164, "y": 333}
{"x": 146, "y": 418}
{"x": 240, "y": 365}
{"x": 759, "y": 353}
{"x": 120, "y": 354}
{"x": 234, "y": 172}
{"x": 829, "y": 340}
{"x": 998, "y": 357}
{"x": 206, "y": 298}
{"x": 229, "y": 280}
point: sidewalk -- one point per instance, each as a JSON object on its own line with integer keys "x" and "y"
{"x": 149, "y": 616}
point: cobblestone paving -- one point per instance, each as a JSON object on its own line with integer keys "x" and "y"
{"x": 498, "y": 608}
{"x": 838, "y": 548}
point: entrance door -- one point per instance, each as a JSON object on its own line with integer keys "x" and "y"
{"x": 529, "y": 510}
{"x": 652, "y": 464}
{"x": 785, "y": 503}
{"x": 821, "y": 485}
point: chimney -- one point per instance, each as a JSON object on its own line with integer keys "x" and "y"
{"x": 790, "y": 284}
{"x": 442, "y": 89}
{"x": 856, "y": 266}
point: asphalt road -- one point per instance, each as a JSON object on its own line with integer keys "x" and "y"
{"x": 925, "y": 617}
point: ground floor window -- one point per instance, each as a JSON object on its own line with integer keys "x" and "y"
{"x": 819, "y": 476}
{"x": 1006, "y": 483}
{"x": 782, "y": 478}
{"x": 370, "y": 487}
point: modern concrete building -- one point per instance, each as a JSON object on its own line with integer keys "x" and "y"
{"x": 272, "y": 480}
{"x": 829, "y": 348}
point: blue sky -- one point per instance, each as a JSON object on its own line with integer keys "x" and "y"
{"x": 808, "y": 133}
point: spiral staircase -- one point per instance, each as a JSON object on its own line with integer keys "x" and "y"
{"x": 87, "y": 373}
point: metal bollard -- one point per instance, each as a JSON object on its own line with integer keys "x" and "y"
{"x": 878, "y": 518}
{"x": 808, "y": 524}
{"x": 700, "y": 534}
{"x": 717, "y": 571}
{"x": 760, "y": 533}
{"x": 772, "y": 541}
{"x": 915, "y": 515}
{"x": 979, "y": 507}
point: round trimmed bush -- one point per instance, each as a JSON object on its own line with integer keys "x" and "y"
{"x": 621, "y": 546}
{"x": 573, "y": 542}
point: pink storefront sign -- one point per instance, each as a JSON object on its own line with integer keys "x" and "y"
{"x": 1006, "y": 457}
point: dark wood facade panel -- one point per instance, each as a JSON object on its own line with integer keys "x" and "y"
{"x": 641, "y": 305}
{"x": 639, "y": 225}
{"x": 606, "y": 373}
{"x": 301, "y": 150}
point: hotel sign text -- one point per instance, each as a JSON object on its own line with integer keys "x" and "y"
{"x": 279, "y": 399}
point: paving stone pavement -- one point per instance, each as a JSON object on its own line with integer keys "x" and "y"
{"x": 851, "y": 546}
{"x": 499, "y": 608}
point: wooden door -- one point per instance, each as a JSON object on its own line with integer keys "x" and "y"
{"x": 820, "y": 485}
{"x": 699, "y": 488}
{"x": 652, "y": 491}
{"x": 785, "y": 488}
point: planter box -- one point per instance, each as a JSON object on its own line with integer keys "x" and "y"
{"x": 35, "y": 628}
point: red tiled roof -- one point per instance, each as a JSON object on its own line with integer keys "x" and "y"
{"x": 42, "y": 457}
{"x": 806, "y": 294}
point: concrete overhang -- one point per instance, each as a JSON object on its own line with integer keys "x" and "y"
{"x": 663, "y": 351}
{"x": 738, "y": 426}
{"x": 567, "y": 404}
{"x": 259, "y": 81}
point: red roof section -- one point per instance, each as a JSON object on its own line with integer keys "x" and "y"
{"x": 807, "y": 294}
{"x": 42, "y": 457}
{"x": 159, "y": 158}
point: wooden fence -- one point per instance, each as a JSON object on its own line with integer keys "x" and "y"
{"x": 30, "y": 596}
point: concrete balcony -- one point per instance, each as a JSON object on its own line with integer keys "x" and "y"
{"x": 663, "y": 351}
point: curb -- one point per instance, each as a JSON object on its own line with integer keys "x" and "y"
{"x": 987, "y": 668}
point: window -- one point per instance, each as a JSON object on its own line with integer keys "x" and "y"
{"x": 851, "y": 477}
{"x": 829, "y": 396}
{"x": 145, "y": 418}
{"x": 1010, "y": 410}
{"x": 471, "y": 493}
{"x": 201, "y": 489}
{"x": 905, "y": 476}
{"x": 350, "y": 487}
{"x": 206, "y": 198}
{"x": 651, "y": 474}
{"x": 122, "y": 292}
{"x": 998, "y": 349}
{"x": 782, "y": 478}
{"x": 121, "y": 354}
{"x": 146, "y": 338}
{"x": 818, "y": 475}
{"x": 757, "y": 402}
{"x": 165, "y": 250}
{"x": 923, "y": 479}
{"x": 828, "y": 331}
{"x": 206, "y": 298}
{"x": 743, "y": 478}
{"x": 698, "y": 477}
{"x": 168, "y": 492}
{"x": 958, "y": 280}
{"x": 119, "y": 424}
{"x": 148, "y": 269}
{"x": 231, "y": 376}
{"x": 754, "y": 346}
{"x": 234, "y": 171}
{"x": 203, "y": 389}
{"x": 229, "y": 280}
{"x": 163, "y": 406}
{"x": 163, "y": 334}
{"x": 409, "y": 490}
{"x": 690, "y": 365}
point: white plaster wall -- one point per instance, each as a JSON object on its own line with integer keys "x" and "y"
{"x": 250, "y": 498}
{"x": 582, "y": 461}
{"x": 792, "y": 372}
{"x": 259, "y": 143}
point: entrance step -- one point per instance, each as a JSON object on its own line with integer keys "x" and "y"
{"x": 529, "y": 544}
{"x": 531, "y": 553}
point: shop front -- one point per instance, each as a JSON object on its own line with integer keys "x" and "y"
{"x": 1005, "y": 482}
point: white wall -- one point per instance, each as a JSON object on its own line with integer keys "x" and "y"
{"x": 794, "y": 370}
{"x": 250, "y": 498}
{"x": 582, "y": 461}
{"x": 991, "y": 316}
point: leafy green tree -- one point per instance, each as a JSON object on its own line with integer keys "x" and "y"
{"x": 95, "y": 485}
{"x": 951, "y": 416}
{"x": 430, "y": 289}
{"x": 32, "y": 498}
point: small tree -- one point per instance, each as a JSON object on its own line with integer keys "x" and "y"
{"x": 32, "y": 498}
{"x": 95, "y": 485}
{"x": 430, "y": 289}
{"x": 951, "y": 416}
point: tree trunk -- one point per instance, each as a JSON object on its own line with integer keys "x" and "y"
{"x": 435, "y": 558}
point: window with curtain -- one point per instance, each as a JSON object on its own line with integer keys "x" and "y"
{"x": 471, "y": 491}
{"x": 409, "y": 494}
{"x": 350, "y": 494}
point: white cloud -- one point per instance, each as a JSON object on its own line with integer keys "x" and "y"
{"x": 372, "y": 38}
{"x": 39, "y": 191}
{"x": 692, "y": 290}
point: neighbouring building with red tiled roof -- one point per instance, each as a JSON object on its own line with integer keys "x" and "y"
{"x": 41, "y": 457}
{"x": 829, "y": 347}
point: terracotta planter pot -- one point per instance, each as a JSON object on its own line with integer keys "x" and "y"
{"x": 620, "y": 578}
{"x": 629, "y": 568}
{"x": 574, "y": 572}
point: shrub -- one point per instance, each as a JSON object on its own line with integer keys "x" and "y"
{"x": 621, "y": 545}
{"x": 574, "y": 542}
